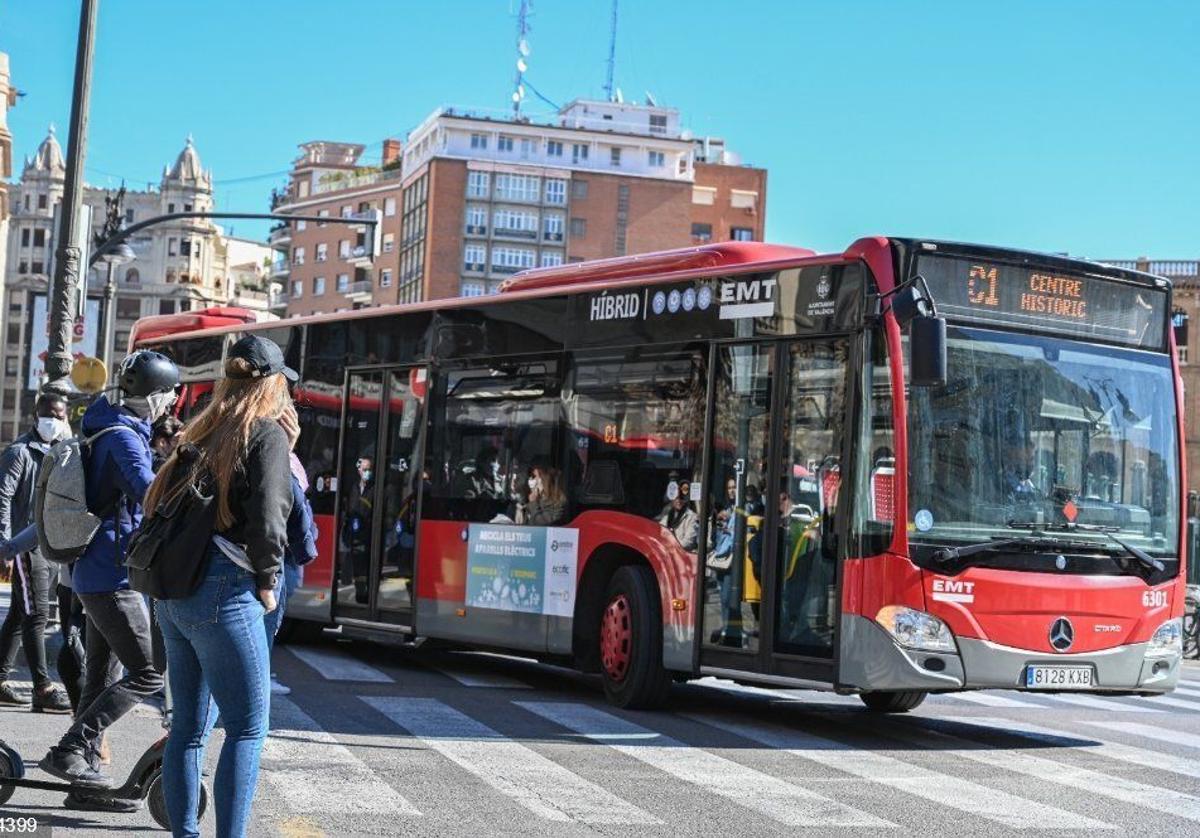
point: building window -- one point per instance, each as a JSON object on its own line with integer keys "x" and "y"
{"x": 347, "y": 211}
{"x": 579, "y": 189}
{"x": 389, "y": 206}
{"x": 741, "y": 234}
{"x": 526, "y": 148}
{"x": 552, "y": 227}
{"x": 22, "y": 267}
{"x": 742, "y": 199}
{"x": 25, "y": 237}
{"x": 479, "y": 141}
{"x": 41, "y": 201}
{"x": 614, "y": 156}
{"x": 556, "y": 191}
{"x": 322, "y": 214}
{"x": 318, "y": 286}
{"x": 11, "y": 364}
{"x": 513, "y": 222}
{"x": 385, "y": 278}
{"x": 551, "y": 258}
{"x": 297, "y": 289}
{"x": 554, "y": 148}
{"x": 473, "y": 288}
{"x": 130, "y": 308}
{"x": 170, "y": 208}
{"x": 301, "y": 225}
{"x": 297, "y": 255}
{"x": 343, "y": 283}
{"x": 656, "y": 159}
{"x": 477, "y": 184}
{"x": 476, "y": 218}
{"x": 512, "y": 259}
{"x": 166, "y": 306}
{"x": 26, "y": 210}
{"x": 187, "y": 207}
{"x": 517, "y": 187}
{"x": 37, "y": 267}
{"x": 322, "y": 252}
{"x": 39, "y": 238}
{"x": 474, "y": 257}
{"x": 504, "y": 143}
{"x": 579, "y": 152}
{"x": 701, "y": 232}
{"x": 578, "y": 227}
{"x": 343, "y": 249}
{"x": 132, "y": 276}
{"x": 658, "y": 123}
{"x": 389, "y": 242}
{"x": 704, "y": 195}
{"x": 1181, "y": 354}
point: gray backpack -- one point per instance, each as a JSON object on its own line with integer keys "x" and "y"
{"x": 65, "y": 525}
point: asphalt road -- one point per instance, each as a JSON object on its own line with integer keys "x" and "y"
{"x": 378, "y": 741}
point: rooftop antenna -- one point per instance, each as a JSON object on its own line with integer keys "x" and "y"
{"x": 518, "y": 94}
{"x": 612, "y": 55}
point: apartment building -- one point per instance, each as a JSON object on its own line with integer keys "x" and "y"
{"x": 8, "y": 98}
{"x": 478, "y": 199}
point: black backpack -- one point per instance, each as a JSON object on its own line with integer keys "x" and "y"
{"x": 167, "y": 557}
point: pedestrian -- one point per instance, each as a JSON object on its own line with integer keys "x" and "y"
{"x": 117, "y": 474}
{"x": 33, "y": 576}
{"x": 164, "y": 436}
{"x": 216, "y": 637}
{"x": 301, "y": 549}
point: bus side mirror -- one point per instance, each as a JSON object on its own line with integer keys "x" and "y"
{"x": 927, "y": 351}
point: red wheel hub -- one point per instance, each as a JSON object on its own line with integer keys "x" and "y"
{"x": 616, "y": 638}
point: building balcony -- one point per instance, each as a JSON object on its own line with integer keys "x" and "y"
{"x": 474, "y": 268}
{"x": 556, "y": 238}
{"x": 280, "y": 236}
{"x": 476, "y": 230}
{"x": 359, "y": 289}
{"x": 280, "y": 268}
{"x": 352, "y": 180}
{"x": 515, "y": 234}
{"x": 507, "y": 269}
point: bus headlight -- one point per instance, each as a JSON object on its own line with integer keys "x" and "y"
{"x": 915, "y": 629}
{"x": 1167, "y": 640}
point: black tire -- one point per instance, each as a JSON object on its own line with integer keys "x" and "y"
{"x": 157, "y": 803}
{"x": 7, "y": 769}
{"x": 893, "y": 702}
{"x": 630, "y": 641}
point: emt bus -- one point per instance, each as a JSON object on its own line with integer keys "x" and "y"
{"x": 910, "y": 467}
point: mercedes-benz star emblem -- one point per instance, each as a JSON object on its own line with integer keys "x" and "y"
{"x": 1062, "y": 634}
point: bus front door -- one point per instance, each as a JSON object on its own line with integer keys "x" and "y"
{"x": 379, "y": 489}
{"x": 777, "y": 415}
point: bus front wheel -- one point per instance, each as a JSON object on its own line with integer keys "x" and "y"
{"x": 631, "y": 641}
{"x": 900, "y": 701}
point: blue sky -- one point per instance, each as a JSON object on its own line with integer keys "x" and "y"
{"x": 1065, "y": 126}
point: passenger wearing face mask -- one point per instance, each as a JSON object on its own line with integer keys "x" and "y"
{"x": 33, "y": 577}
{"x": 547, "y": 504}
{"x": 118, "y": 472}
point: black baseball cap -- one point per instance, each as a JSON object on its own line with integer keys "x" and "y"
{"x": 264, "y": 356}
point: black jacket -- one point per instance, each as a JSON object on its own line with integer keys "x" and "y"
{"x": 261, "y": 500}
{"x": 19, "y": 466}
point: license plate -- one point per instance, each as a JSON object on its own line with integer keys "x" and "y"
{"x": 1058, "y": 677}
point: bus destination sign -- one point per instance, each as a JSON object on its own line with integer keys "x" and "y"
{"x": 1045, "y": 300}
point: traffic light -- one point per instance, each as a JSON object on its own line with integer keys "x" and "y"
{"x": 369, "y": 242}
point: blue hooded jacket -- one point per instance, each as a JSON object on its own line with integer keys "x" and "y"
{"x": 301, "y": 530}
{"x": 118, "y": 474}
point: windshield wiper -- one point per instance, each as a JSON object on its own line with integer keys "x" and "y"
{"x": 1136, "y": 552}
{"x": 1139, "y": 554}
{"x": 947, "y": 555}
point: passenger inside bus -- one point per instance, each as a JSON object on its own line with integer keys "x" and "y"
{"x": 680, "y": 515}
{"x": 546, "y": 503}
{"x": 356, "y": 532}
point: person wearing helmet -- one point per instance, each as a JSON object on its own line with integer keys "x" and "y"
{"x": 118, "y": 473}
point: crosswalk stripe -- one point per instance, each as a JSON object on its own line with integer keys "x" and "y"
{"x": 953, "y": 792}
{"x": 1082, "y": 779}
{"x": 1103, "y": 747}
{"x": 1167, "y": 701}
{"x": 347, "y": 785}
{"x": 1187, "y": 690}
{"x": 768, "y": 795}
{"x": 495, "y": 680}
{"x": 337, "y": 666}
{"x": 539, "y": 784}
{"x": 993, "y": 700}
{"x": 1095, "y": 703}
{"x": 1162, "y": 734}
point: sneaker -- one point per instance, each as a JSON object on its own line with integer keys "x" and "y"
{"x": 89, "y": 802}
{"x": 9, "y": 697}
{"x": 51, "y": 700}
{"x": 280, "y": 689}
{"x": 74, "y": 769}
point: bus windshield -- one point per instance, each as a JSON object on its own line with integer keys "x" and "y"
{"x": 1039, "y": 433}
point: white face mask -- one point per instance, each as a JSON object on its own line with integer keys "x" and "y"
{"x": 51, "y": 429}
{"x": 534, "y": 484}
{"x": 152, "y": 407}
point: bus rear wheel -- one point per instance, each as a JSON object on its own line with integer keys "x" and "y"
{"x": 900, "y": 701}
{"x": 631, "y": 641}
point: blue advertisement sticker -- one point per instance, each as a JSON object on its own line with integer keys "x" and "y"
{"x": 528, "y": 569}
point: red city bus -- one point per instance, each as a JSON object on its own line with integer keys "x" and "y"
{"x": 734, "y": 460}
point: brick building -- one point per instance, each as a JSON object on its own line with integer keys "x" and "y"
{"x": 469, "y": 200}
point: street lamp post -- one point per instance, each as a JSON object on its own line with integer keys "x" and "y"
{"x": 120, "y": 255}
{"x": 67, "y": 267}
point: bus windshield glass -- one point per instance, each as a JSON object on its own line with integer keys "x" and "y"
{"x": 1044, "y": 434}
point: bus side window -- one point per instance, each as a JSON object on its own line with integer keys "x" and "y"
{"x": 875, "y": 494}
{"x": 636, "y": 426}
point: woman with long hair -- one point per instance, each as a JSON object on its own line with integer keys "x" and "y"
{"x": 215, "y": 638}
{"x": 547, "y": 504}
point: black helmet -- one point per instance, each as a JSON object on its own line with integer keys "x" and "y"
{"x": 145, "y": 372}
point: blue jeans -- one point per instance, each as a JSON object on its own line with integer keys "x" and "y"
{"x": 291, "y": 579}
{"x": 216, "y": 649}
